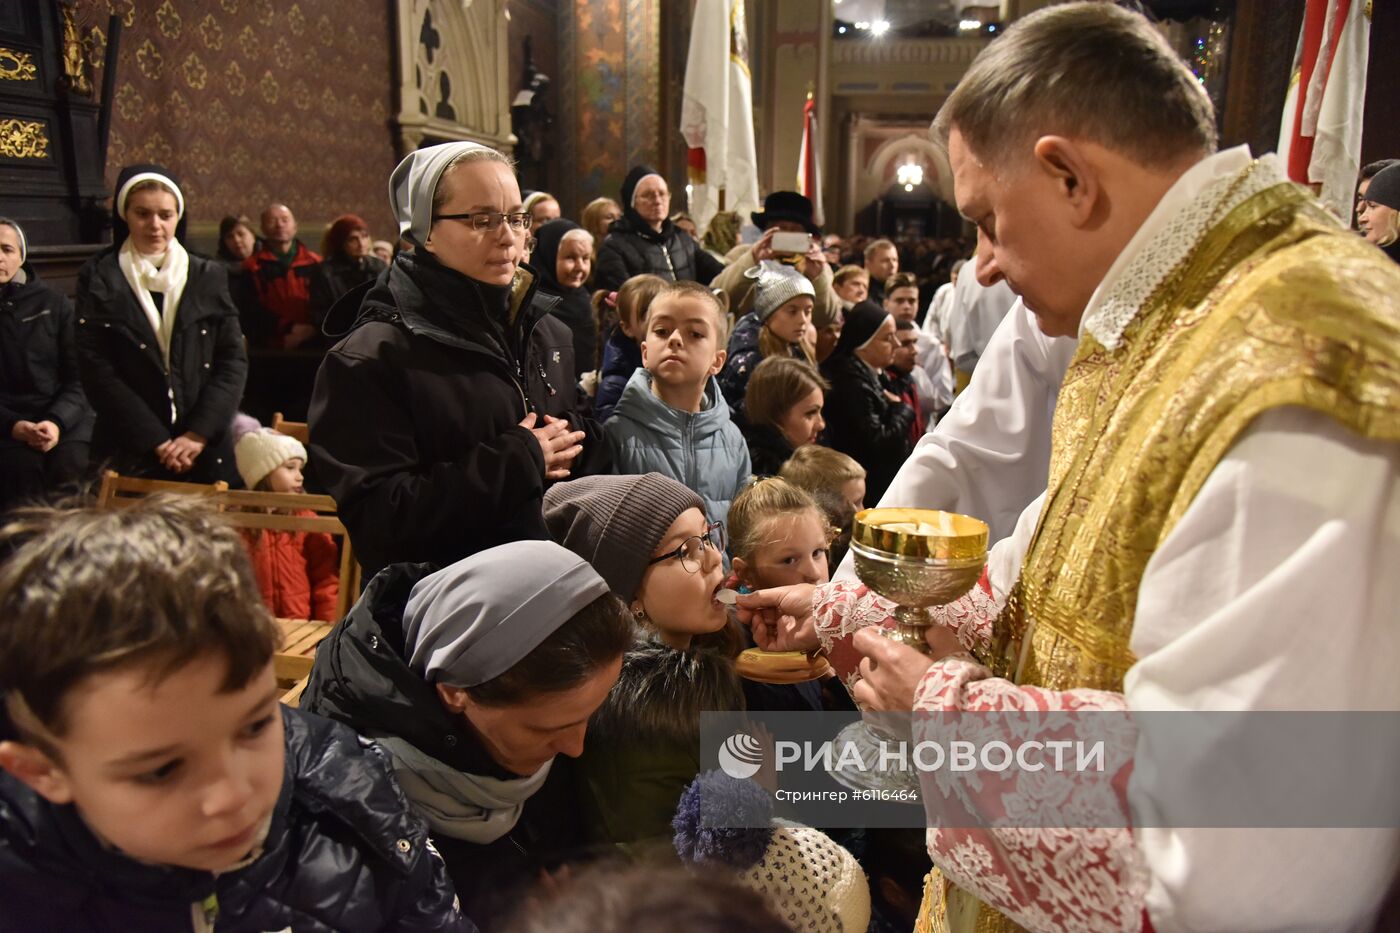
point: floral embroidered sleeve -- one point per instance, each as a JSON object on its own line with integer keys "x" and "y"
{"x": 843, "y": 608}
{"x": 1015, "y": 838}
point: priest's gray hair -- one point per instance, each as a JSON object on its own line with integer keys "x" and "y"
{"x": 484, "y": 154}
{"x": 1086, "y": 70}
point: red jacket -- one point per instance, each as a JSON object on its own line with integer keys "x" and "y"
{"x": 298, "y": 571}
{"x": 283, "y": 292}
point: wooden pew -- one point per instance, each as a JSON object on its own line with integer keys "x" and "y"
{"x": 119, "y": 491}
{"x": 298, "y": 429}
{"x": 244, "y": 509}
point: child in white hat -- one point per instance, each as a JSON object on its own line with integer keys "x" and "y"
{"x": 298, "y": 571}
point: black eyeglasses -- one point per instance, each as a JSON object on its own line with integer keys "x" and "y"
{"x": 490, "y": 221}
{"x": 691, "y": 553}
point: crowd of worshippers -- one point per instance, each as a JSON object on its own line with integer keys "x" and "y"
{"x": 167, "y": 358}
{"x": 550, "y": 471}
{"x": 556, "y": 448}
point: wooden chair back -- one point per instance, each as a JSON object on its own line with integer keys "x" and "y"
{"x": 244, "y": 509}
{"x": 298, "y": 429}
{"x": 118, "y": 491}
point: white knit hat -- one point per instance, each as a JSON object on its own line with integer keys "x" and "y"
{"x": 776, "y": 285}
{"x": 260, "y": 452}
{"x": 810, "y": 881}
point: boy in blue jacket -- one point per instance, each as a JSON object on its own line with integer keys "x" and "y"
{"x": 672, "y": 418}
{"x": 151, "y": 779}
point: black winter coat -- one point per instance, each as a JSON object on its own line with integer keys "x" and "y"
{"x": 768, "y": 449}
{"x": 863, "y": 424}
{"x": 361, "y": 678}
{"x": 125, "y": 378}
{"x": 343, "y": 854}
{"x": 622, "y": 356}
{"x": 337, "y": 275}
{"x": 37, "y": 324}
{"x": 415, "y": 419}
{"x": 633, "y": 248}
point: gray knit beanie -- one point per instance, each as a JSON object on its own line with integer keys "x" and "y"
{"x": 616, "y": 522}
{"x": 776, "y": 284}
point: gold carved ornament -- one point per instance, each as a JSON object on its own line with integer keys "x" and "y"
{"x": 75, "y": 76}
{"x": 23, "y": 139}
{"x": 17, "y": 66}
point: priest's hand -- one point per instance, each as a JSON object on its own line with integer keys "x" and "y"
{"x": 889, "y": 673}
{"x": 781, "y": 618}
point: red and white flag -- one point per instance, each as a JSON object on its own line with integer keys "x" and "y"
{"x": 717, "y": 112}
{"x": 809, "y": 168}
{"x": 1320, "y": 136}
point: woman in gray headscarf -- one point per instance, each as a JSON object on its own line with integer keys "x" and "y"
{"x": 448, "y": 405}
{"x": 480, "y": 680}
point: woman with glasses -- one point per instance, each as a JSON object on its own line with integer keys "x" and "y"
{"x": 864, "y": 419}
{"x": 645, "y": 241}
{"x": 447, "y": 407}
{"x": 649, "y": 538}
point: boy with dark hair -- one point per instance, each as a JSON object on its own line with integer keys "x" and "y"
{"x": 151, "y": 780}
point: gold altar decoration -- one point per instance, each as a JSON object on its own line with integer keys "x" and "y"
{"x": 17, "y": 66}
{"x": 23, "y": 139}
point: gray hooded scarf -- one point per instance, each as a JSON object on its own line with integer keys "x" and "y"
{"x": 413, "y": 183}
{"x": 464, "y": 625}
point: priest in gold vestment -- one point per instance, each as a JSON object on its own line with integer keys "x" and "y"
{"x": 1221, "y": 524}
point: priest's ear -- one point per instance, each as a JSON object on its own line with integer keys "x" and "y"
{"x": 1073, "y": 173}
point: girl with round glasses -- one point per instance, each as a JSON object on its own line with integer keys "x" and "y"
{"x": 447, "y": 407}
{"x": 649, "y": 538}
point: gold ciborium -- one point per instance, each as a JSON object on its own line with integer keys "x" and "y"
{"x": 917, "y": 558}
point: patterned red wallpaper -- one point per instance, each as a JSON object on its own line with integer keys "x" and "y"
{"x": 251, "y": 101}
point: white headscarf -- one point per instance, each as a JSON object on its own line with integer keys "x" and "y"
{"x": 165, "y": 273}
{"x": 413, "y": 182}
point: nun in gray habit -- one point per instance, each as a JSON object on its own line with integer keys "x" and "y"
{"x": 479, "y": 679}
{"x": 416, "y": 418}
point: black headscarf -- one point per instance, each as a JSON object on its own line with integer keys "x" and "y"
{"x": 862, "y": 323}
{"x": 574, "y": 307}
{"x": 120, "y": 231}
{"x": 629, "y": 188}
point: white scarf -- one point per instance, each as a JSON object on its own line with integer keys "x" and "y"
{"x": 144, "y": 277}
{"x": 465, "y": 806}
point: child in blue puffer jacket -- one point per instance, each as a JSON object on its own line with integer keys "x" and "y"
{"x": 672, "y": 418}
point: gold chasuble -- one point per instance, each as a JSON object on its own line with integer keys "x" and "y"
{"x": 1275, "y": 305}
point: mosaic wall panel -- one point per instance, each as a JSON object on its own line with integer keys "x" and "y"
{"x": 609, "y": 92}
{"x": 251, "y": 101}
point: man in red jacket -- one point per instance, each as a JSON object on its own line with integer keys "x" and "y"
{"x": 281, "y": 274}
